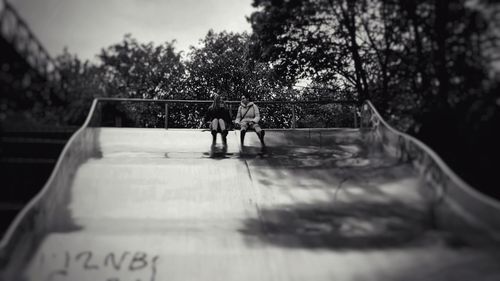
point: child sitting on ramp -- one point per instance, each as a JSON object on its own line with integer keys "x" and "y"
{"x": 218, "y": 118}
{"x": 248, "y": 116}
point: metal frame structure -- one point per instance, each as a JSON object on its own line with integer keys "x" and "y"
{"x": 15, "y": 31}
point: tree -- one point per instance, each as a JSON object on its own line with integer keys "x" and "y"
{"x": 312, "y": 39}
{"x": 81, "y": 82}
{"x": 222, "y": 65}
{"x": 136, "y": 70}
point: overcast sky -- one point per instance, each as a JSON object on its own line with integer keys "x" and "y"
{"x": 86, "y": 26}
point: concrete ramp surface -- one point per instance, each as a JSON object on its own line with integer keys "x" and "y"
{"x": 155, "y": 204}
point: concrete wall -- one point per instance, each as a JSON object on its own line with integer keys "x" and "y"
{"x": 456, "y": 206}
{"x": 48, "y": 209}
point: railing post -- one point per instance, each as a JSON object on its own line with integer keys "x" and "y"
{"x": 99, "y": 107}
{"x": 231, "y": 113}
{"x": 355, "y": 116}
{"x": 118, "y": 121}
{"x": 166, "y": 115}
{"x": 293, "y": 117}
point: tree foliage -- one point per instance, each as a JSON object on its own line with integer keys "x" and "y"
{"x": 143, "y": 70}
{"x": 137, "y": 70}
{"x": 129, "y": 69}
{"x": 81, "y": 82}
{"x": 397, "y": 53}
{"x": 222, "y": 65}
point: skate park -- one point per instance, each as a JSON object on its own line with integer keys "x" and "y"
{"x": 155, "y": 204}
{"x": 137, "y": 191}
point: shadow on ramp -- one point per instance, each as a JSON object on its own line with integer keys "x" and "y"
{"x": 341, "y": 226}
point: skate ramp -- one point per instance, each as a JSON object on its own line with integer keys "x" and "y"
{"x": 155, "y": 204}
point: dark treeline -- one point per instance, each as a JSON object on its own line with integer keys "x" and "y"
{"x": 428, "y": 66}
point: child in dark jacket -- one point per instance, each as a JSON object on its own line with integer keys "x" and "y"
{"x": 219, "y": 119}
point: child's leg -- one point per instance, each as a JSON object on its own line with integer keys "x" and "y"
{"x": 260, "y": 133}
{"x": 222, "y": 126}
{"x": 243, "y": 131}
{"x": 214, "y": 125}
{"x": 213, "y": 129}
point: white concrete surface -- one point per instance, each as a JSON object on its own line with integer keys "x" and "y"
{"x": 316, "y": 207}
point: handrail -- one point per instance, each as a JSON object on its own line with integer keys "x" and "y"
{"x": 292, "y": 103}
{"x": 352, "y": 102}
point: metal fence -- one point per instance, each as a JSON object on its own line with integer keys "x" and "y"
{"x": 150, "y": 113}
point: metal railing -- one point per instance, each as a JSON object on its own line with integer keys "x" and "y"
{"x": 130, "y": 112}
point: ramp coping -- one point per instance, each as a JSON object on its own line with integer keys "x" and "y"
{"x": 475, "y": 207}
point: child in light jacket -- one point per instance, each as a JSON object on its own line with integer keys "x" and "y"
{"x": 248, "y": 116}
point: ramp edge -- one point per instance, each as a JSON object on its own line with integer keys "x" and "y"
{"x": 457, "y": 206}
